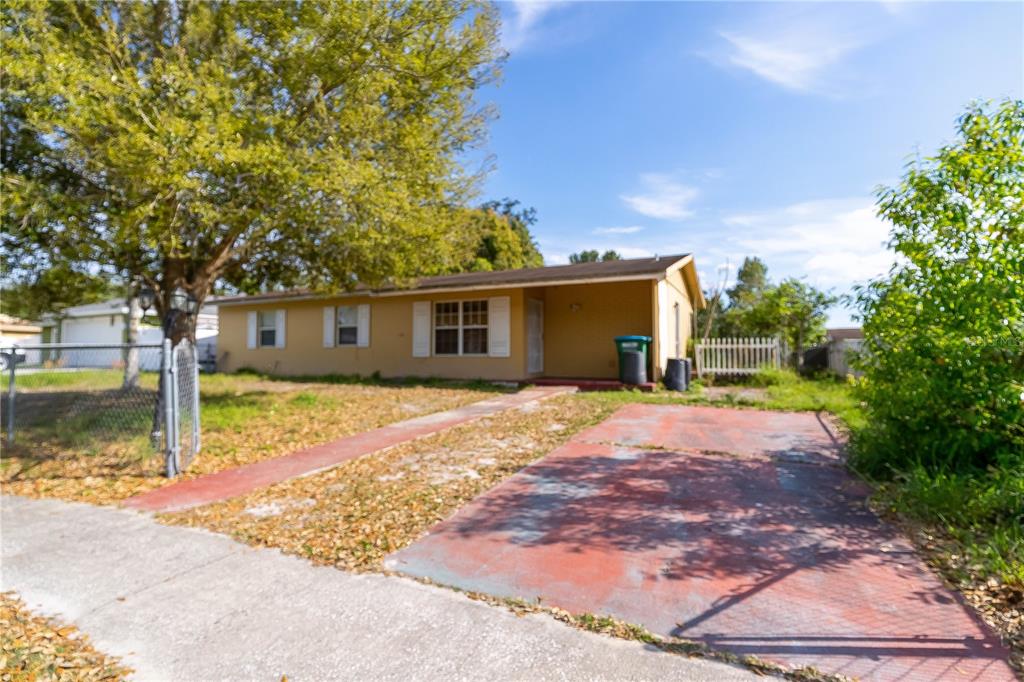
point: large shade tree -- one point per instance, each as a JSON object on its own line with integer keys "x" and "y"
{"x": 497, "y": 237}
{"x": 255, "y": 144}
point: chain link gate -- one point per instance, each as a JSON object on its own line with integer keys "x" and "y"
{"x": 181, "y": 405}
{"x": 83, "y": 394}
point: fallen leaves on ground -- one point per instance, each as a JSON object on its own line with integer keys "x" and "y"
{"x": 355, "y": 514}
{"x": 34, "y": 648}
{"x": 1001, "y": 606}
{"x": 245, "y": 420}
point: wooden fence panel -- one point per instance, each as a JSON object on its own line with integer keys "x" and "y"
{"x": 742, "y": 355}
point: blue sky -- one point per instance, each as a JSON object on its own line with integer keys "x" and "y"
{"x": 733, "y": 129}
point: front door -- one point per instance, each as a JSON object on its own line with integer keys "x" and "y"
{"x": 534, "y": 336}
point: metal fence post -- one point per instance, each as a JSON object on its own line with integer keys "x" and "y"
{"x": 195, "y": 400}
{"x": 10, "y": 399}
{"x": 168, "y": 384}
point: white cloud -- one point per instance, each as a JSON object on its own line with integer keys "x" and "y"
{"x": 831, "y": 243}
{"x": 799, "y": 47}
{"x": 834, "y": 242}
{"x": 662, "y": 198}
{"x": 897, "y": 7}
{"x": 628, "y": 229}
{"x": 795, "y": 62}
{"x": 630, "y": 251}
{"x": 527, "y": 15}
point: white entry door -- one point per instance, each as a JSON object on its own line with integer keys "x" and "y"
{"x": 534, "y": 336}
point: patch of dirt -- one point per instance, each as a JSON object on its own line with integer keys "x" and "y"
{"x": 736, "y": 393}
{"x": 35, "y": 648}
{"x": 369, "y": 507}
{"x": 243, "y": 422}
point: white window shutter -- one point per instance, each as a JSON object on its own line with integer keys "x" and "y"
{"x": 499, "y": 328}
{"x": 279, "y": 329}
{"x": 421, "y": 329}
{"x": 363, "y": 330}
{"x": 250, "y": 337}
{"x": 330, "y": 331}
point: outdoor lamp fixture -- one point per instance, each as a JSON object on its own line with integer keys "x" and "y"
{"x": 179, "y": 300}
{"x": 191, "y": 306}
{"x": 147, "y": 297}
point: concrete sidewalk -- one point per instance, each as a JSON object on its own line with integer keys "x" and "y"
{"x": 230, "y": 483}
{"x": 184, "y": 604}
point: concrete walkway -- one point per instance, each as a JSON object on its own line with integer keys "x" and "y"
{"x": 183, "y": 604}
{"x": 230, "y": 483}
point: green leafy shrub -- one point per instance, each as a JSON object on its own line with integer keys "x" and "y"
{"x": 982, "y": 512}
{"x": 770, "y": 376}
{"x": 944, "y": 334}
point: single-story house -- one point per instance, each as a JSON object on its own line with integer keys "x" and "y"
{"x": 837, "y": 351}
{"x": 14, "y": 330}
{"x": 107, "y": 323}
{"x": 511, "y": 325}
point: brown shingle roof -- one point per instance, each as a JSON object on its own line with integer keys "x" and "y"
{"x": 629, "y": 268}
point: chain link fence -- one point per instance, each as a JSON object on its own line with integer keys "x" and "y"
{"x": 138, "y": 401}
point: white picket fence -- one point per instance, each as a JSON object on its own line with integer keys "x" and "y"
{"x": 744, "y": 355}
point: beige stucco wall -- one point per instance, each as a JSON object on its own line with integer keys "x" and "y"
{"x": 581, "y": 322}
{"x": 667, "y": 293}
{"x": 390, "y": 349}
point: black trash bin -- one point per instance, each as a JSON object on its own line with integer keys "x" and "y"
{"x": 677, "y": 375}
{"x": 634, "y": 368}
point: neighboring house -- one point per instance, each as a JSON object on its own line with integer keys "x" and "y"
{"x": 842, "y": 343}
{"x": 107, "y": 323}
{"x": 13, "y": 330}
{"x": 511, "y": 325}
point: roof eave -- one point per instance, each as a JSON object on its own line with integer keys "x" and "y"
{"x": 256, "y": 300}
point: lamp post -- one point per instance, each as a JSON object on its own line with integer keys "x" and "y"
{"x": 180, "y": 303}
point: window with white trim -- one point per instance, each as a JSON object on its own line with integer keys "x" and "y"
{"x": 348, "y": 325}
{"x": 266, "y": 328}
{"x": 460, "y": 328}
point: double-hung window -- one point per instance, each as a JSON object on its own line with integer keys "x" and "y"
{"x": 460, "y": 328}
{"x": 266, "y": 328}
{"x": 348, "y": 325}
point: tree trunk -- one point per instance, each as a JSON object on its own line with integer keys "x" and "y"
{"x": 131, "y": 354}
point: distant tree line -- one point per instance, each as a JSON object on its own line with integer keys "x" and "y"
{"x": 793, "y": 310}
{"x": 593, "y": 256}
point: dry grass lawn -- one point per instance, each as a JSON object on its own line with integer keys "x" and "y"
{"x": 245, "y": 419}
{"x": 355, "y": 514}
{"x": 34, "y": 648}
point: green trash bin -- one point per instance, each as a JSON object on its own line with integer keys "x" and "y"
{"x": 631, "y": 343}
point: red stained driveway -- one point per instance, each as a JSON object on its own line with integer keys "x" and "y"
{"x": 737, "y": 528}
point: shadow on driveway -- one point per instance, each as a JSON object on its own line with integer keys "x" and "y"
{"x": 764, "y": 546}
